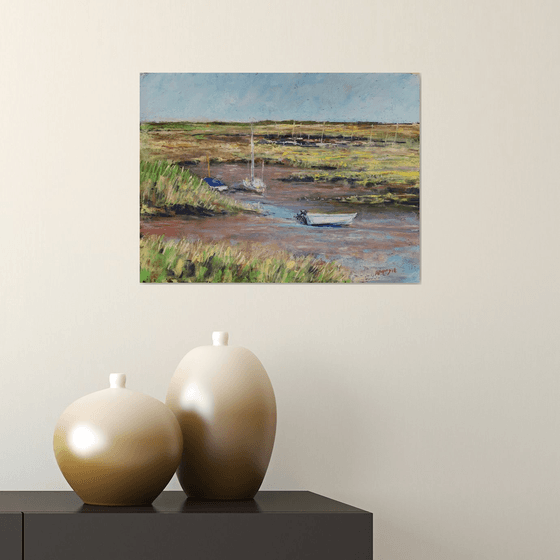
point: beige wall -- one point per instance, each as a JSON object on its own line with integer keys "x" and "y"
{"x": 434, "y": 406}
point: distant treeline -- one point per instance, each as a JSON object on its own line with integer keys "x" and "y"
{"x": 268, "y": 122}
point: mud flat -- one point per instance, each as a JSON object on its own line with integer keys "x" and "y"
{"x": 381, "y": 245}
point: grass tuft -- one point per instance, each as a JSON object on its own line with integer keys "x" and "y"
{"x": 166, "y": 188}
{"x": 164, "y": 260}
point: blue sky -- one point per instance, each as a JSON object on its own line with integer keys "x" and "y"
{"x": 254, "y": 97}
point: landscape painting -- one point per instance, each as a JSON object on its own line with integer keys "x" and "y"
{"x": 279, "y": 178}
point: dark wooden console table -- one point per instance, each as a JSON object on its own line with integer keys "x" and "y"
{"x": 273, "y": 526}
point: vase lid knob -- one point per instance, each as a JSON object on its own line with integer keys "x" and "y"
{"x": 220, "y": 338}
{"x": 117, "y": 380}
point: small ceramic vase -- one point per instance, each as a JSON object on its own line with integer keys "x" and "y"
{"x": 225, "y": 405}
{"x": 117, "y": 447}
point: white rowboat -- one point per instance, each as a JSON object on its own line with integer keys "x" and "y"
{"x": 314, "y": 219}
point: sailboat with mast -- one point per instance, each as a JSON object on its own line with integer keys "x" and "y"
{"x": 212, "y": 182}
{"x": 253, "y": 183}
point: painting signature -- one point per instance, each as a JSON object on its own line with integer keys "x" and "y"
{"x": 384, "y": 271}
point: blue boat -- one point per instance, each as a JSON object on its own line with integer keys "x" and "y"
{"x": 215, "y": 184}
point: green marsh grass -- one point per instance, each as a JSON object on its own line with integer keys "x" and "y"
{"x": 167, "y": 188}
{"x": 164, "y": 260}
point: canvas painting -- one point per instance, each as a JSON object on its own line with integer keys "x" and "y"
{"x": 279, "y": 178}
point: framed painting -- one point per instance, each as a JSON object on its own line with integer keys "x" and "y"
{"x": 280, "y": 178}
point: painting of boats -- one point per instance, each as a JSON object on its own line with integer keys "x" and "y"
{"x": 279, "y": 178}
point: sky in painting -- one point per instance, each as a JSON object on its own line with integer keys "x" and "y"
{"x": 301, "y": 97}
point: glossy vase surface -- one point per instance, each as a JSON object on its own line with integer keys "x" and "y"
{"x": 225, "y": 405}
{"x": 118, "y": 447}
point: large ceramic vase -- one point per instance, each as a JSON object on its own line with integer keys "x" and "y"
{"x": 118, "y": 447}
{"x": 225, "y": 405}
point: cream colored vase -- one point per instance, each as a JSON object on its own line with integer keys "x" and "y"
{"x": 225, "y": 405}
{"x": 118, "y": 447}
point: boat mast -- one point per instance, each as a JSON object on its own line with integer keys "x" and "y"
{"x": 252, "y": 157}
